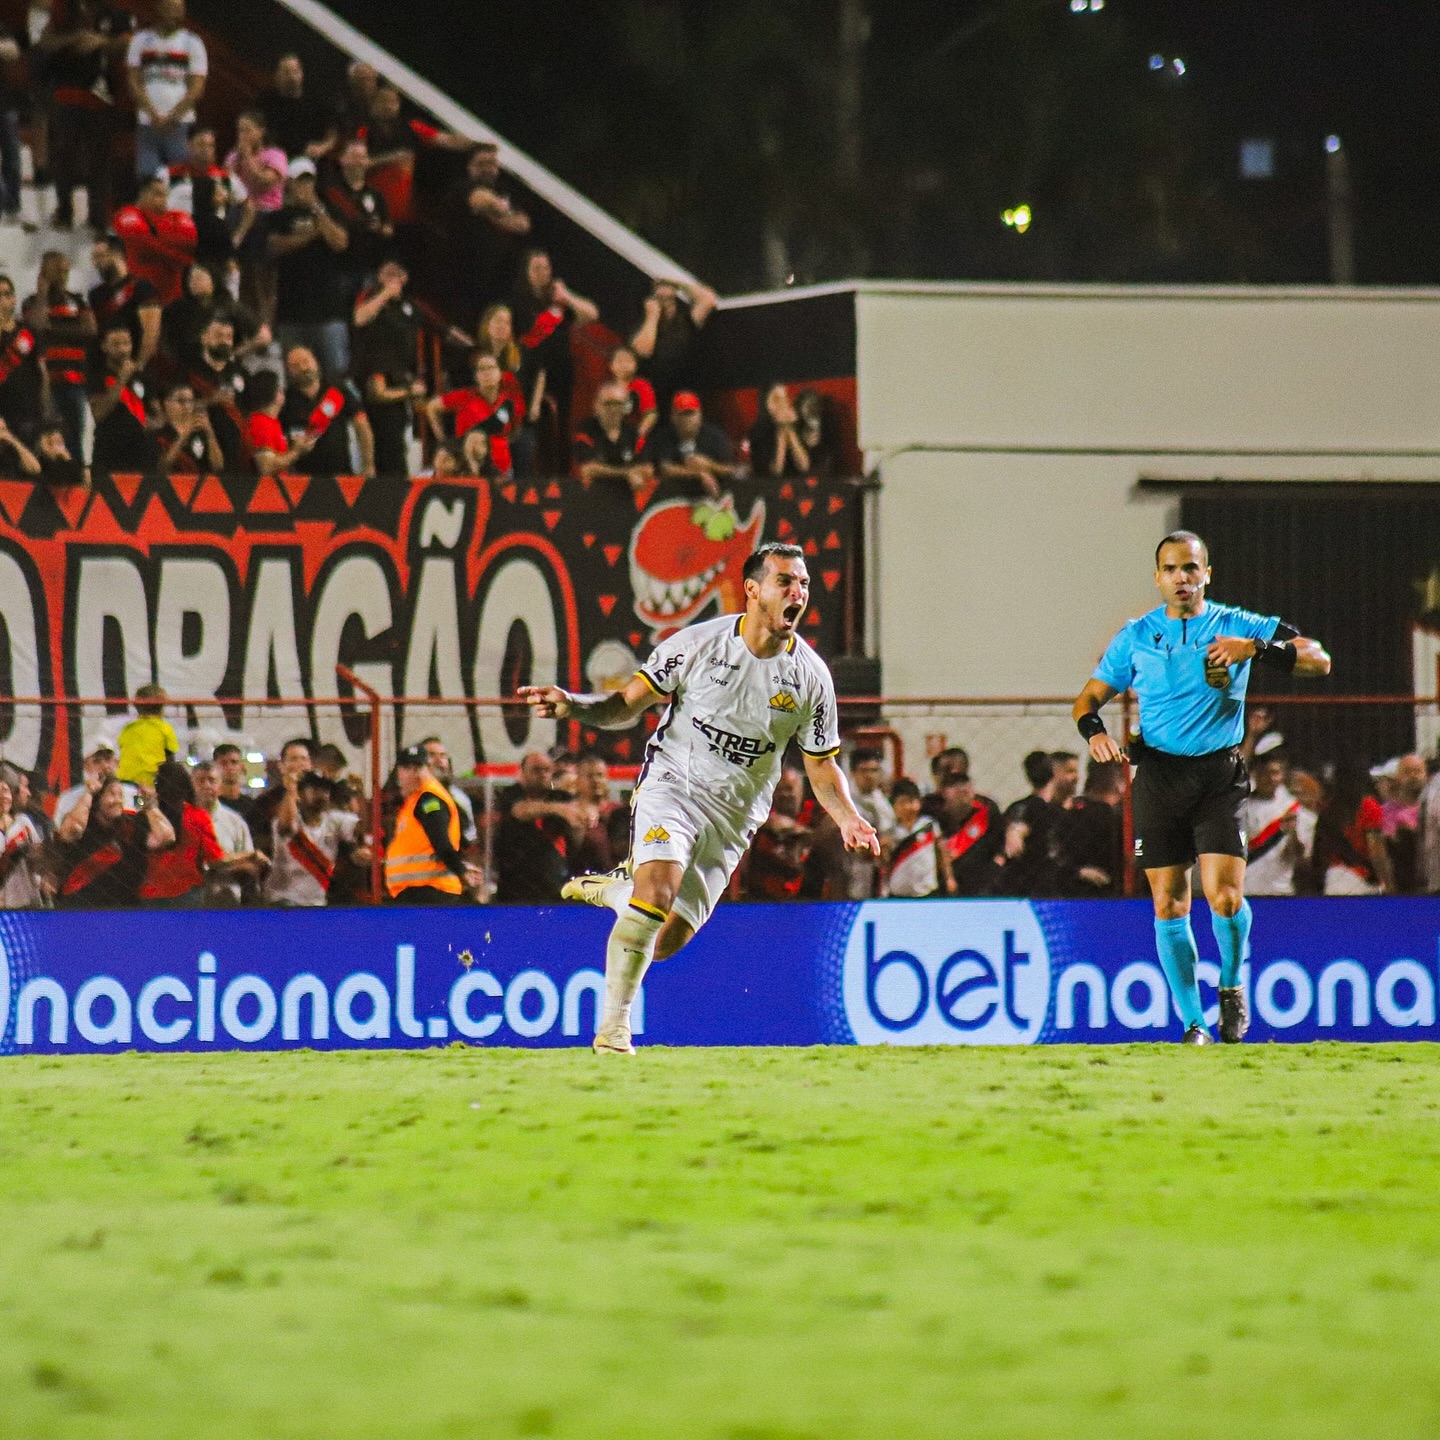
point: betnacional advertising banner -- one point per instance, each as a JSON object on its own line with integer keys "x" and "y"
{"x": 247, "y": 587}
{"x": 946, "y": 972}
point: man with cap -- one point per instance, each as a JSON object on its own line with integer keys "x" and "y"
{"x": 309, "y": 836}
{"x": 423, "y": 864}
{"x": 159, "y": 242}
{"x": 691, "y": 452}
{"x": 100, "y": 765}
{"x": 305, "y": 240}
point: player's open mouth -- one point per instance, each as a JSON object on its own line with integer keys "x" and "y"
{"x": 792, "y": 614}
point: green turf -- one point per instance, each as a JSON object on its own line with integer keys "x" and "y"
{"x": 747, "y": 1245}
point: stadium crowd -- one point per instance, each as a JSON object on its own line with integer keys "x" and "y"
{"x": 144, "y": 827}
{"x": 255, "y": 313}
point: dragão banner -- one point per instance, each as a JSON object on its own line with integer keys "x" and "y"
{"x": 251, "y": 587}
{"x": 947, "y": 972}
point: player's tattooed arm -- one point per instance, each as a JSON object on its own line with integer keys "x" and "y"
{"x": 618, "y": 710}
{"x": 828, "y": 782}
{"x": 1086, "y": 714}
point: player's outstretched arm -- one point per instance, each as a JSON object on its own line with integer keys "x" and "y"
{"x": 1086, "y": 714}
{"x": 828, "y": 781}
{"x": 616, "y": 711}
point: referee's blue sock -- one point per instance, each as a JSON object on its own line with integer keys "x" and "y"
{"x": 1175, "y": 942}
{"x": 1232, "y": 935}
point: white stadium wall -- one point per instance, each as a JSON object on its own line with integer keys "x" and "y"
{"x": 1010, "y": 427}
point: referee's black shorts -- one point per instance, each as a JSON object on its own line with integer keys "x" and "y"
{"x": 1187, "y": 805}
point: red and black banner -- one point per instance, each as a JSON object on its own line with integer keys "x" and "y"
{"x": 243, "y": 588}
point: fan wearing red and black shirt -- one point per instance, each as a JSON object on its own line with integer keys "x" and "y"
{"x": 103, "y": 846}
{"x": 22, "y": 382}
{"x": 122, "y": 439}
{"x": 325, "y": 412}
{"x": 125, "y": 299}
{"x": 220, "y": 382}
{"x": 362, "y": 210}
{"x": 543, "y": 309}
{"x": 974, "y": 834}
{"x": 159, "y": 242}
{"x": 494, "y": 403}
{"x": 64, "y": 324}
{"x": 641, "y": 405}
{"x": 387, "y": 333}
{"x": 608, "y": 446}
{"x": 175, "y": 876}
{"x": 271, "y": 449}
{"x": 186, "y": 441}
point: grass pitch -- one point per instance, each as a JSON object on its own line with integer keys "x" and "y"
{"x": 745, "y": 1245}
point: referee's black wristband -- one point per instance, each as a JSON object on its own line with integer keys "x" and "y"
{"x": 1281, "y": 657}
{"x": 1090, "y": 725}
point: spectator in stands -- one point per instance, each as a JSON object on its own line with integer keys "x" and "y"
{"x": 99, "y": 765}
{"x": 543, "y": 309}
{"x": 1259, "y": 725}
{"x": 210, "y": 195}
{"x": 945, "y": 766}
{"x": 473, "y": 460}
{"x": 330, "y": 762}
{"x": 159, "y": 242}
{"x": 305, "y": 241}
{"x": 166, "y": 66}
{"x": 1401, "y": 818}
{"x": 1349, "y": 856}
{"x": 1030, "y": 824}
{"x": 22, "y": 381}
{"x": 175, "y": 876}
{"x": 607, "y": 842}
{"x": 125, "y": 299}
{"x": 103, "y": 846}
{"x": 122, "y": 440}
{"x": 775, "y": 445}
{"x": 777, "y": 856}
{"x": 230, "y": 768}
{"x": 438, "y": 758}
{"x": 184, "y": 321}
{"x": 361, "y": 82}
{"x": 219, "y": 384}
{"x": 394, "y": 139}
{"x": 260, "y": 168}
{"x": 296, "y": 757}
{"x": 1088, "y": 843}
{"x": 608, "y": 445}
{"x": 186, "y": 440}
{"x": 362, "y": 210}
{"x": 57, "y": 465}
{"x": 918, "y": 865}
{"x": 17, "y": 460}
{"x": 819, "y": 431}
{"x": 449, "y": 461}
{"x": 324, "y": 416}
{"x": 21, "y": 887}
{"x": 12, "y": 97}
{"x": 640, "y": 393}
{"x": 1278, "y": 833}
{"x": 149, "y": 740}
{"x": 77, "y": 46}
{"x": 309, "y": 837}
{"x": 690, "y": 452}
{"x": 495, "y": 335}
{"x": 494, "y": 403}
{"x": 867, "y": 776}
{"x": 675, "y": 313}
{"x": 485, "y": 230}
{"x": 387, "y": 337}
{"x": 230, "y": 828}
{"x": 64, "y": 325}
{"x": 271, "y": 450}
{"x": 974, "y": 836}
{"x": 298, "y": 123}
{"x": 538, "y": 825}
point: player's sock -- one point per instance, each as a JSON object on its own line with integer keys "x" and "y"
{"x": 1232, "y": 935}
{"x": 1175, "y": 942}
{"x": 617, "y": 893}
{"x": 627, "y": 958}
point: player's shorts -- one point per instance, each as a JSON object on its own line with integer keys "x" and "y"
{"x": 1188, "y": 805}
{"x": 668, "y": 824}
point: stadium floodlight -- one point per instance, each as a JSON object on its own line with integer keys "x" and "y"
{"x": 1332, "y": 145}
{"x": 1017, "y": 219}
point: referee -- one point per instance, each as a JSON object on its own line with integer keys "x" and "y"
{"x": 1188, "y": 662}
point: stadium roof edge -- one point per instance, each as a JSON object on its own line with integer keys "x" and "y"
{"x": 565, "y": 198}
{"x": 1020, "y": 289}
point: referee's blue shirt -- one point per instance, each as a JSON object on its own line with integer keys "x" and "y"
{"x": 1163, "y": 660}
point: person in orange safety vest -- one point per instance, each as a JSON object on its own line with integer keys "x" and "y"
{"x": 423, "y": 864}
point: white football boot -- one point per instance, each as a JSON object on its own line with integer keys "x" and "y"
{"x": 609, "y": 891}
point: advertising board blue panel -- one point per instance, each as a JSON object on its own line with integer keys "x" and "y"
{"x": 882, "y": 972}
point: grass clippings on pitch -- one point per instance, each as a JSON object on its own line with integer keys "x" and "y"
{"x": 744, "y": 1245}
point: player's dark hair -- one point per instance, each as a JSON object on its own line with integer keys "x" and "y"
{"x": 863, "y": 756}
{"x": 1182, "y": 537}
{"x": 904, "y": 789}
{"x": 755, "y": 564}
{"x": 1038, "y": 769}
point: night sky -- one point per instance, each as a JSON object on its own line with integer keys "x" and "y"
{"x": 644, "y": 127}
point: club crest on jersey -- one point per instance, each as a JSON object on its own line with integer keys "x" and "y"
{"x": 655, "y": 835}
{"x": 783, "y": 700}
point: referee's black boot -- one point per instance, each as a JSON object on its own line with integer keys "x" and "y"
{"x": 1197, "y": 1035}
{"x": 1234, "y": 1015}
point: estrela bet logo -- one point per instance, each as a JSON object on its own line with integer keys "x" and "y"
{"x": 655, "y": 835}
{"x": 783, "y": 700}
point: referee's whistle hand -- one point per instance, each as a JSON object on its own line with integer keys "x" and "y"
{"x": 1230, "y": 650}
{"x": 1103, "y": 749}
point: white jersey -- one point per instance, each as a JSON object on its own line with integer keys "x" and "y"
{"x": 913, "y": 871}
{"x": 732, "y": 714}
{"x": 1268, "y": 871}
{"x": 304, "y": 861}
